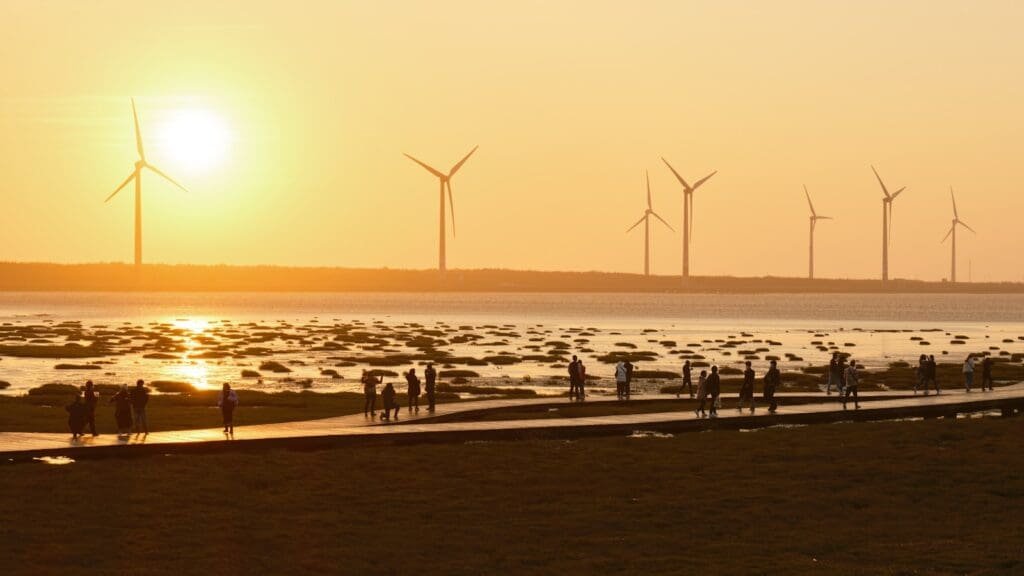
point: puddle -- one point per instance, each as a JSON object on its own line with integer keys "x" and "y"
{"x": 777, "y": 426}
{"x": 649, "y": 434}
{"x": 54, "y": 460}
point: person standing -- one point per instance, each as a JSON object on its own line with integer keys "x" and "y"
{"x": 574, "y": 378}
{"x": 714, "y": 385}
{"x": 76, "y": 417}
{"x": 620, "y": 380}
{"x": 969, "y": 372}
{"x": 986, "y": 374}
{"x": 431, "y": 377}
{"x": 629, "y": 379}
{"x": 92, "y": 398}
{"x": 413, "y": 391}
{"x": 702, "y": 392}
{"x": 370, "y": 393}
{"x": 834, "y": 374}
{"x": 687, "y": 380}
{"x": 581, "y": 375}
{"x": 140, "y": 397}
{"x": 852, "y": 380}
{"x": 772, "y": 380}
{"x": 122, "y": 402}
{"x": 747, "y": 389}
{"x": 933, "y": 369}
{"x": 227, "y": 402}
{"x": 922, "y": 375}
{"x": 841, "y": 373}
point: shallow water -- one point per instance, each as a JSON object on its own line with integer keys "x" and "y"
{"x": 875, "y": 328}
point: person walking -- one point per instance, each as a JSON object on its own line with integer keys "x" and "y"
{"x": 702, "y": 393}
{"x": 122, "y": 402}
{"x": 687, "y": 380}
{"x": 629, "y": 379}
{"x": 140, "y": 397}
{"x": 581, "y": 374}
{"x": 841, "y": 374}
{"x": 852, "y": 380}
{"x": 986, "y": 374}
{"x": 772, "y": 380}
{"x": 227, "y": 402}
{"x": 747, "y": 389}
{"x": 834, "y": 375}
{"x": 574, "y": 379}
{"x": 92, "y": 398}
{"x": 76, "y": 417}
{"x": 370, "y": 393}
{"x": 933, "y": 369}
{"x": 968, "y": 372}
{"x": 413, "y": 391}
{"x": 620, "y": 381}
{"x": 430, "y": 375}
{"x": 714, "y": 385}
{"x": 922, "y": 375}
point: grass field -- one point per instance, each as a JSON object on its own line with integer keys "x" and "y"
{"x": 933, "y": 497}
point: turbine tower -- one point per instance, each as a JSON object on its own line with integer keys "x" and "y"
{"x": 814, "y": 222}
{"x": 952, "y": 231}
{"x": 646, "y": 219}
{"x": 687, "y": 213}
{"x": 136, "y": 175}
{"x": 446, "y": 182}
{"x": 886, "y": 222}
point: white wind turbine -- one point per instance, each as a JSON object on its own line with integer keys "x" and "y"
{"x": 886, "y": 222}
{"x": 952, "y": 232}
{"x": 814, "y": 222}
{"x": 136, "y": 175}
{"x": 446, "y": 182}
{"x": 646, "y": 220}
{"x": 687, "y": 213}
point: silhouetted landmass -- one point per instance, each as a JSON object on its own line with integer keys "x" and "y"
{"x": 192, "y": 278}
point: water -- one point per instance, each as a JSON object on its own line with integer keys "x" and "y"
{"x": 875, "y": 328}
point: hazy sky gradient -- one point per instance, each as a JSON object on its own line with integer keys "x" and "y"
{"x": 569, "y": 101}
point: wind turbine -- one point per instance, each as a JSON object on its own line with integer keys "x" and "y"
{"x": 446, "y": 181}
{"x": 814, "y": 222}
{"x": 646, "y": 219}
{"x": 952, "y": 231}
{"x": 886, "y": 223}
{"x": 687, "y": 213}
{"x": 136, "y": 175}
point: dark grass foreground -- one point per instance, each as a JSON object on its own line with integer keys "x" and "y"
{"x": 934, "y": 497}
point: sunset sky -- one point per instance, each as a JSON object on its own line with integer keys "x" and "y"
{"x": 288, "y": 120}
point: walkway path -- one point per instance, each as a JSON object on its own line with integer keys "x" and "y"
{"x": 357, "y": 430}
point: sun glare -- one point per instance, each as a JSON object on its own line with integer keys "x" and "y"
{"x": 196, "y": 139}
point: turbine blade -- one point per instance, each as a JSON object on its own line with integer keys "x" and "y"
{"x": 429, "y": 169}
{"x": 663, "y": 221}
{"x": 703, "y": 180}
{"x": 165, "y": 176}
{"x": 953, "y": 197}
{"x": 947, "y": 234}
{"x": 678, "y": 177}
{"x": 809, "y": 203}
{"x": 138, "y": 133}
{"x": 451, "y": 206}
{"x": 122, "y": 185}
{"x": 966, "y": 226}
{"x": 638, "y": 222}
{"x": 897, "y": 193}
{"x": 882, "y": 184}
{"x": 461, "y": 162}
{"x": 824, "y": 218}
{"x": 648, "y": 176}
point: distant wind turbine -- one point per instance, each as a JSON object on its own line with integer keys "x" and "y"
{"x": 136, "y": 175}
{"x": 886, "y": 222}
{"x": 814, "y": 222}
{"x": 646, "y": 219}
{"x": 446, "y": 182}
{"x": 952, "y": 231}
{"x": 687, "y": 213}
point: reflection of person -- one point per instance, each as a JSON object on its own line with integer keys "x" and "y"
{"x": 228, "y": 402}
{"x": 140, "y": 397}
{"x": 431, "y": 376}
{"x": 91, "y": 399}
{"x": 76, "y": 417}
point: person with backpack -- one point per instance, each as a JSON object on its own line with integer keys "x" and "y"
{"x": 76, "y": 417}
{"x": 92, "y": 398}
{"x": 772, "y": 380}
{"x": 430, "y": 375}
{"x": 687, "y": 380}
{"x": 747, "y": 389}
{"x": 852, "y": 380}
{"x": 413, "y": 391}
{"x": 140, "y": 397}
{"x": 620, "y": 380}
{"x": 227, "y": 402}
{"x": 986, "y": 374}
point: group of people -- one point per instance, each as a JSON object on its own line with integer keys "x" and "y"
{"x": 968, "y": 370}
{"x": 709, "y": 389}
{"x": 388, "y": 393}
{"x": 130, "y": 410}
{"x": 845, "y": 378}
{"x": 577, "y": 380}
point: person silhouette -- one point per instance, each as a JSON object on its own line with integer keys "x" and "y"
{"x": 228, "y": 401}
{"x": 140, "y": 398}
{"x": 574, "y": 379}
{"x": 370, "y": 393}
{"x": 714, "y": 385}
{"x": 986, "y": 374}
{"x": 772, "y": 380}
{"x": 91, "y": 399}
{"x": 747, "y": 389}
{"x": 76, "y": 417}
{"x": 431, "y": 377}
{"x": 834, "y": 375}
{"x": 702, "y": 393}
{"x": 933, "y": 369}
{"x": 922, "y": 375}
{"x": 968, "y": 370}
{"x": 687, "y": 380}
{"x": 852, "y": 380}
{"x": 414, "y": 389}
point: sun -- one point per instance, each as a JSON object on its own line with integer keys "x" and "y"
{"x": 196, "y": 139}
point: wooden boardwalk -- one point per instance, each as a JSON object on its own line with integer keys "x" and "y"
{"x": 358, "y": 430}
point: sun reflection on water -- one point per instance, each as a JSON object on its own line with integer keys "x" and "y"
{"x": 195, "y": 372}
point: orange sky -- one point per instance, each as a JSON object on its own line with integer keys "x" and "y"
{"x": 569, "y": 101}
